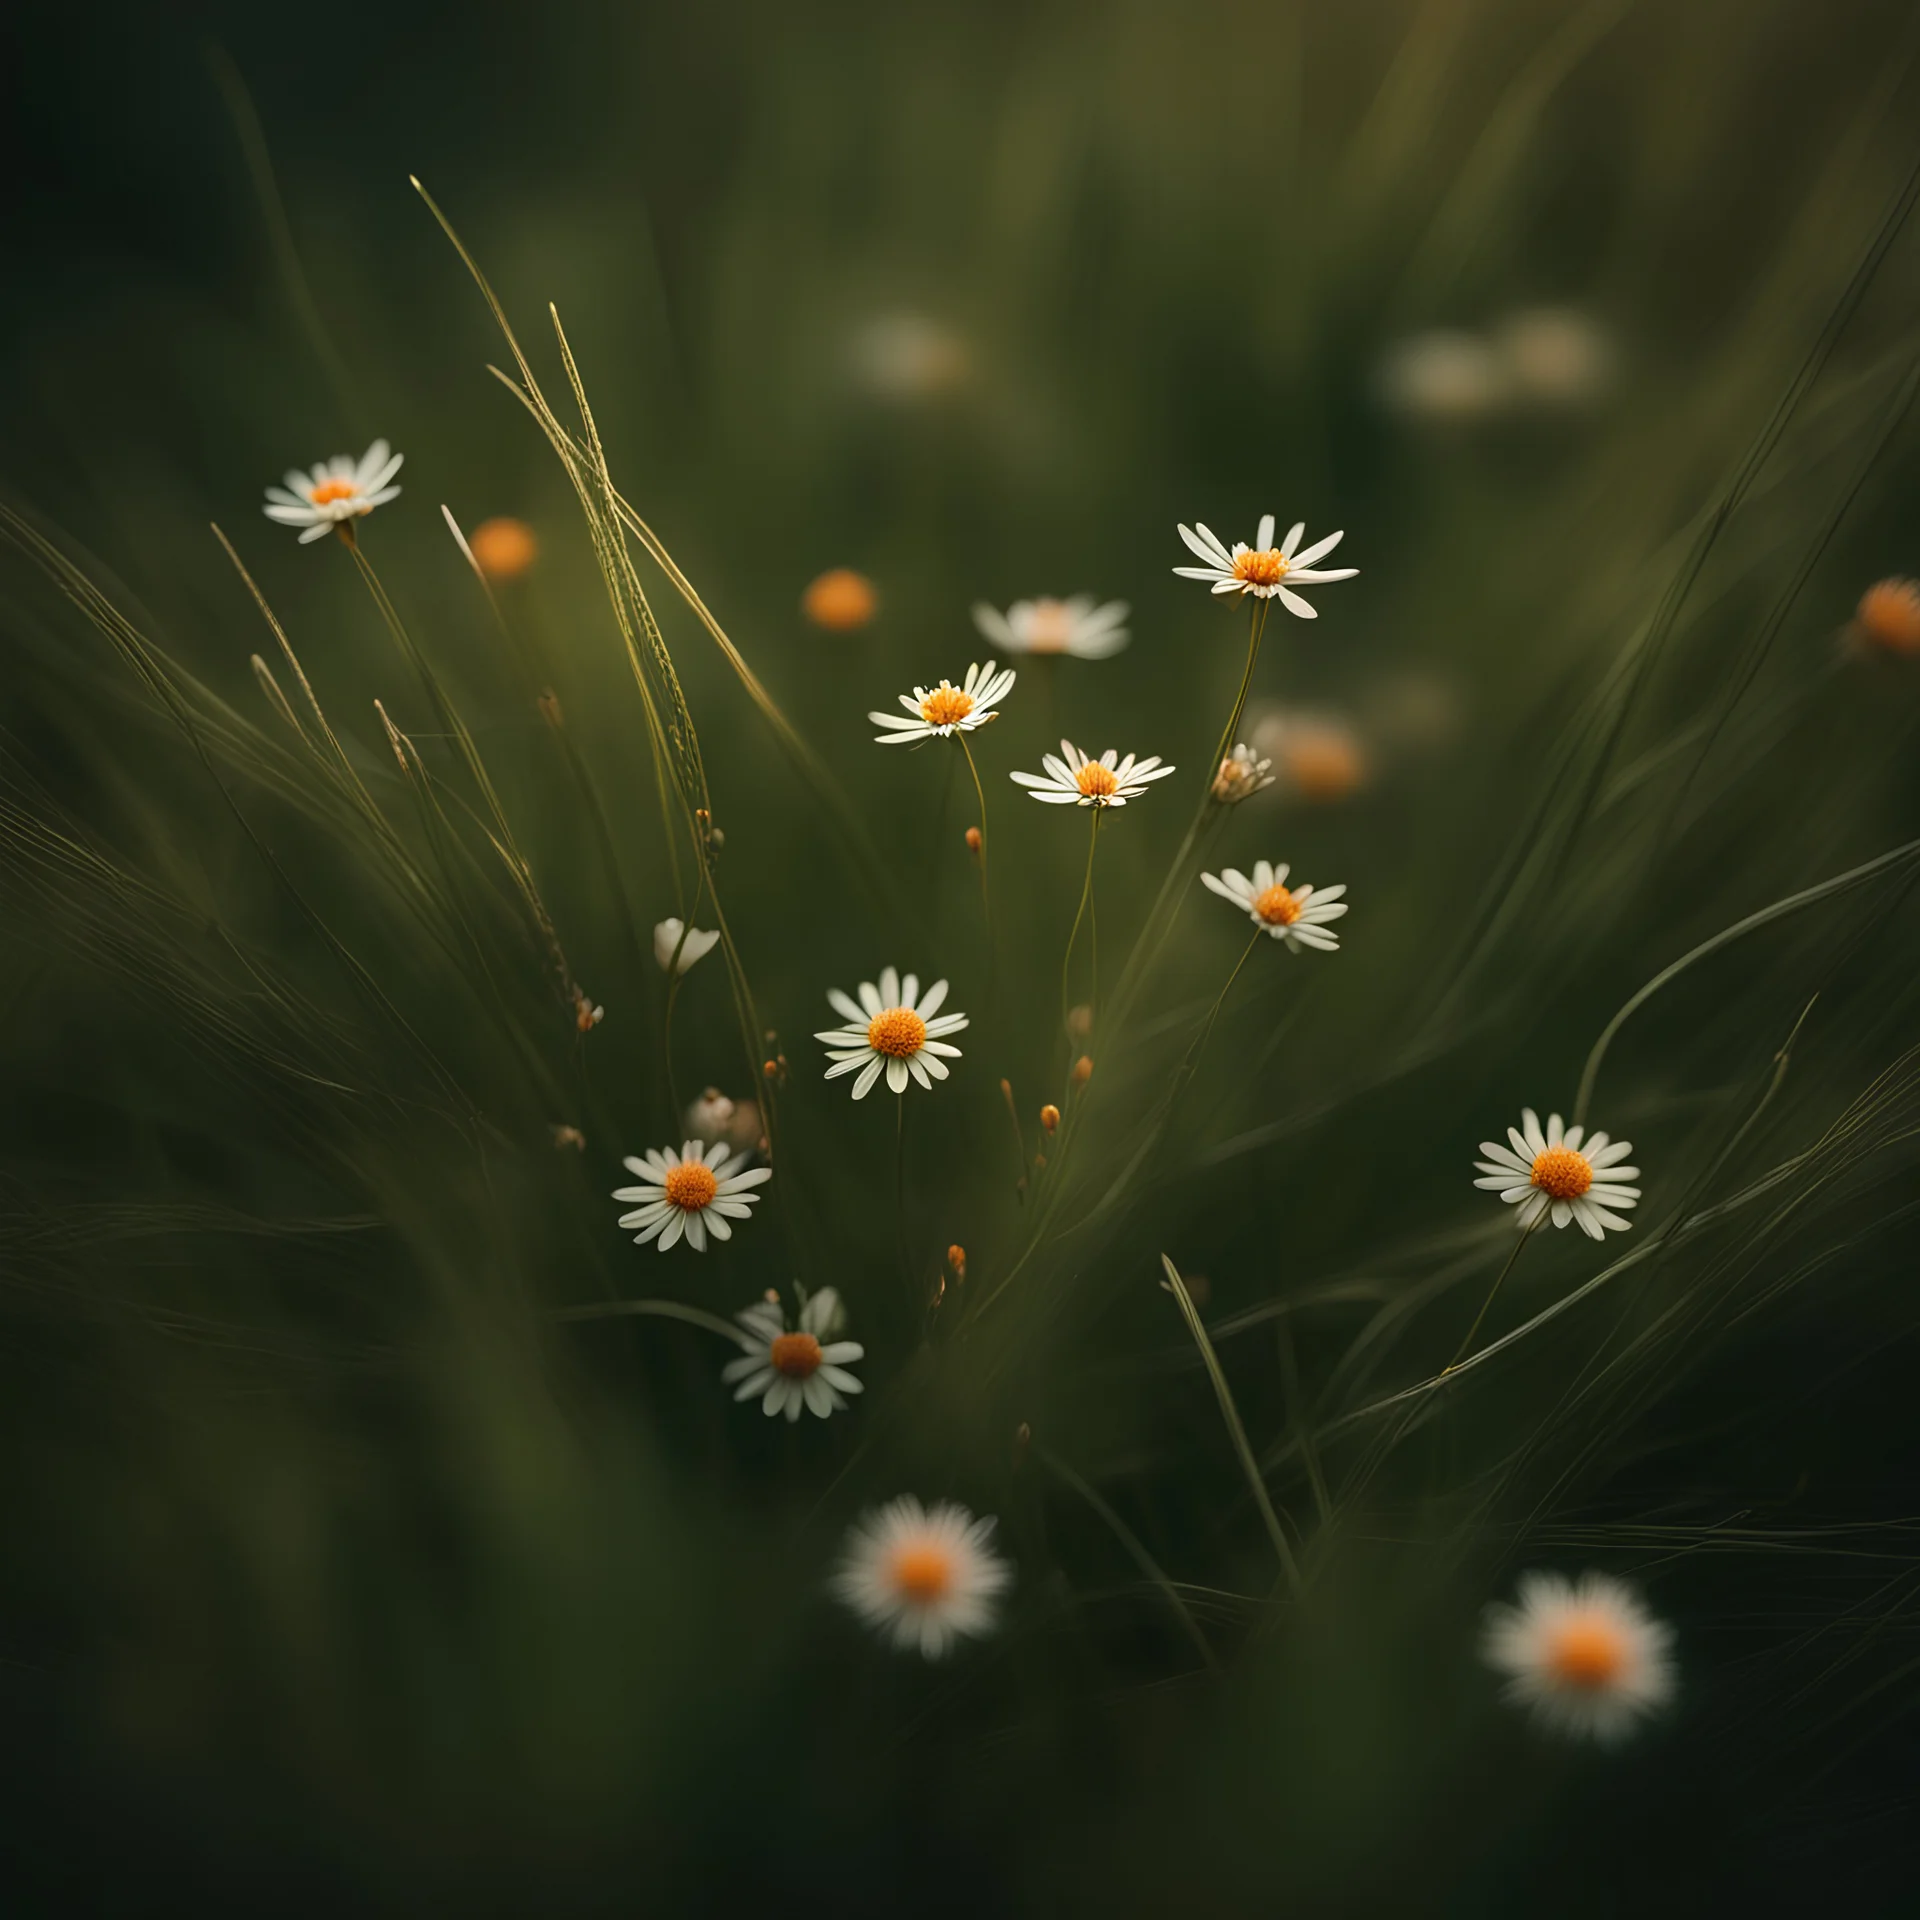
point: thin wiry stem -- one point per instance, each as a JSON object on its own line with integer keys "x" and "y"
{"x": 1080, "y": 913}
{"x": 986, "y": 899}
{"x": 1526, "y": 1234}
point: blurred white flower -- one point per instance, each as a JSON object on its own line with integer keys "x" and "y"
{"x": 697, "y": 945}
{"x": 1587, "y": 1658}
{"x": 688, "y": 1193}
{"x": 892, "y": 1028}
{"x": 795, "y": 1367}
{"x": 1296, "y": 915}
{"x": 1077, "y": 781}
{"x": 1555, "y": 356}
{"x": 336, "y": 490}
{"x": 1576, "y": 1177}
{"x": 942, "y": 710}
{"x": 1319, "y": 754}
{"x": 907, "y": 356}
{"x": 1073, "y": 626}
{"x": 1444, "y": 375}
{"x": 1241, "y": 776}
{"x": 924, "y": 1577}
{"x": 1264, "y": 570}
{"x": 713, "y": 1116}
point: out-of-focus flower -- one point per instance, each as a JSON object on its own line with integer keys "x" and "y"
{"x": 586, "y": 1016}
{"x": 1563, "y": 1172}
{"x": 1080, "y": 1021}
{"x": 892, "y": 1028}
{"x": 939, "y": 711}
{"x": 696, "y": 946}
{"x": 336, "y": 491}
{"x": 1586, "y": 1657}
{"x": 1082, "y": 1070}
{"x": 925, "y": 1577}
{"x": 1319, "y": 755}
{"x": 1264, "y": 570}
{"x": 1888, "y": 616}
{"x": 689, "y": 1193}
{"x": 1242, "y": 774}
{"x": 840, "y": 600}
{"x": 1297, "y": 916}
{"x": 957, "y": 1262}
{"x": 1444, "y": 376}
{"x": 974, "y": 840}
{"x": 792, "y": 1368}
{"x": 503, "y": 548}
{"x": 567, "y": 1137}
{"x": 1049, "y": 1118}
{"x": 1555, "y": 356}
{"x": 713, "y": 1116}
{"x": 1077, "y": 781}
{"x": 907, "y": 356}
{"x": 1075, "y": 626}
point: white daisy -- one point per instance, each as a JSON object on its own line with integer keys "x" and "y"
{"x": 927, "y": 1577}
{"x": 337, "y": 490}
{"x": 688, "y": 1193}
{"x": 696, "y": 946}
{"x": 1297, "y": 915}
{"x": 1576, "y": 1175}
{"x": 798, "y": 1367}
{"x": 939, "y": 711}
{"x": 1077, "y": 781}
{"x": 892, "y": 1026}
{"x": 1241, "y": 775}
{"x": 1264, "y": 569}
{"x": 1587, "y": 1657}
{"x": 1073, "y": 626}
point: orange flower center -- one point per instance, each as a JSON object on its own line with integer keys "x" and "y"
{"x": 923, "y": 1574}
{"x": 1277, "y": 907}
{"x": 945, "y": 706}
{"x": 1096, "y": 781}
{"x": 1587, "y": 1653}
{"x": 1563, "y": 1173}
{"x": 691, "y": 1185}
{"x": 840, "y": 600}
{"x": 1050, "y": 627}
{"x": 1889, "y": 615}
{"x": 1324, "y": 766}
{"x": 328, "y": 491}
{"x": 899, "y": 1033}
{"x": 795, "y": 1354}
{"x": 1260, "y": 569}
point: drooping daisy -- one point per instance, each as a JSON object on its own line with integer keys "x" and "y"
{"x": 925, "y": 1577}
{"x": 689, "y": 1193}
{"x": 698, "y": 943}
{"x": 1241, "y": 775}
{"x": 1263, "y": 569}
{"x": 1077, "y": 781}
{"x": 1073, "y": 626}
{"x": 336, "y": 491}
{"x": 795, "y": 1367}
{"x": 1587, "y": 1657}
{"x": 1578, "y": 1177}
{"x": 892, "y": 1027}
{"x": 1296, "y": 915}
{"x": 945, "y": 709}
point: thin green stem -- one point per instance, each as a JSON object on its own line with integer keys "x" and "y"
{"x": 986, "y": 899}
{"x": 1525, "y": 1236}
{"x": 1256, "y": 626}
{"x": 900, "y": 1192}
{"x": 1080, "y": 913}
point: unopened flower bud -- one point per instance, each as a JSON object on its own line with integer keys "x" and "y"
{"x": 973, "y": 839}
{"x": 957, "y": 1261}
{"x": 1242, "y": 774}
{"x": 1082, "y": 1071}
{"x": 1050, "y": 1116}
{"x": 1080, "y": 1022}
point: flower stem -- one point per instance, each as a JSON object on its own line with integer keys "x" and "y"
{"x": 1525, "y": 1235}
{"x": 1256, "y": 626}
{"x": 900, "y": 1191}
{"x": 1080, "y": 913}
{"x": 986, "y": 899}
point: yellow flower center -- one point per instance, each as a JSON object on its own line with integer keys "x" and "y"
{"x": 923, "y": 1574}
{"x": 328, "y": 491}
{"x": 945, "y": 706}
{"x": 1277, "y": 907}
{"x": 1563, "y": 1173}
{"x": 1588, "y": 1654}
{"x": 795, "y": 1354}
{"x": 899, "y": 1033}
{"x": 1050, "y": 627}
{"x": 1260, "y": 569}
{"x": 1096, "y": 781}
{"x": 691, "y": 1185}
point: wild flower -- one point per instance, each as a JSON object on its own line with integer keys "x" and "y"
{"x": 1264, "y": 570}
{"x": 586, "y": 1015}
{"x": 713, "y": 1116}
{"x": 1888, "y": 616}
{"x": 840, "y": 600}
{"x": 1077, "y": 781}
{"x": 1567, "y": 1173}
{"x": 946, "y": 709}
{"x": 336, "y": 491}
{"x": 688, "y": 1194}
{"x": 1298, "y": 916}
{"x": 1319, "y": 755}
{"x": 1077, "y": 626}
{"x": 795, "y": 1367}
{"x": 1587, "y": 1657}
{"x": 926, "y": 1577}
{"x": 503, "y": 548}
{"x": 667, "y": 938}
{"x": 1241, "y": 775}
{"x": 892, "y": 1028}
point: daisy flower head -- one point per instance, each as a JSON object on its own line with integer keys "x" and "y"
{"x": 1586, "y": 1656}
{"x": 924, "y": 1576}
{"x": 335, "y": 492}
{"x": 1566, "y": 1171}
{"x": 1264, "y": 570}
{"x": 697, "y": 943}
{"x": 1075, "y": 626}
{"x": 893, "y": 1028}
{"x": 689, "y": 1194}
{"x": 794, "y": 1367}
{"x": 1298, "y": 916}
{"x": 939, "y": 711}
{"x": 1242, "y": 774}
{"x": 1075, "y": 780}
